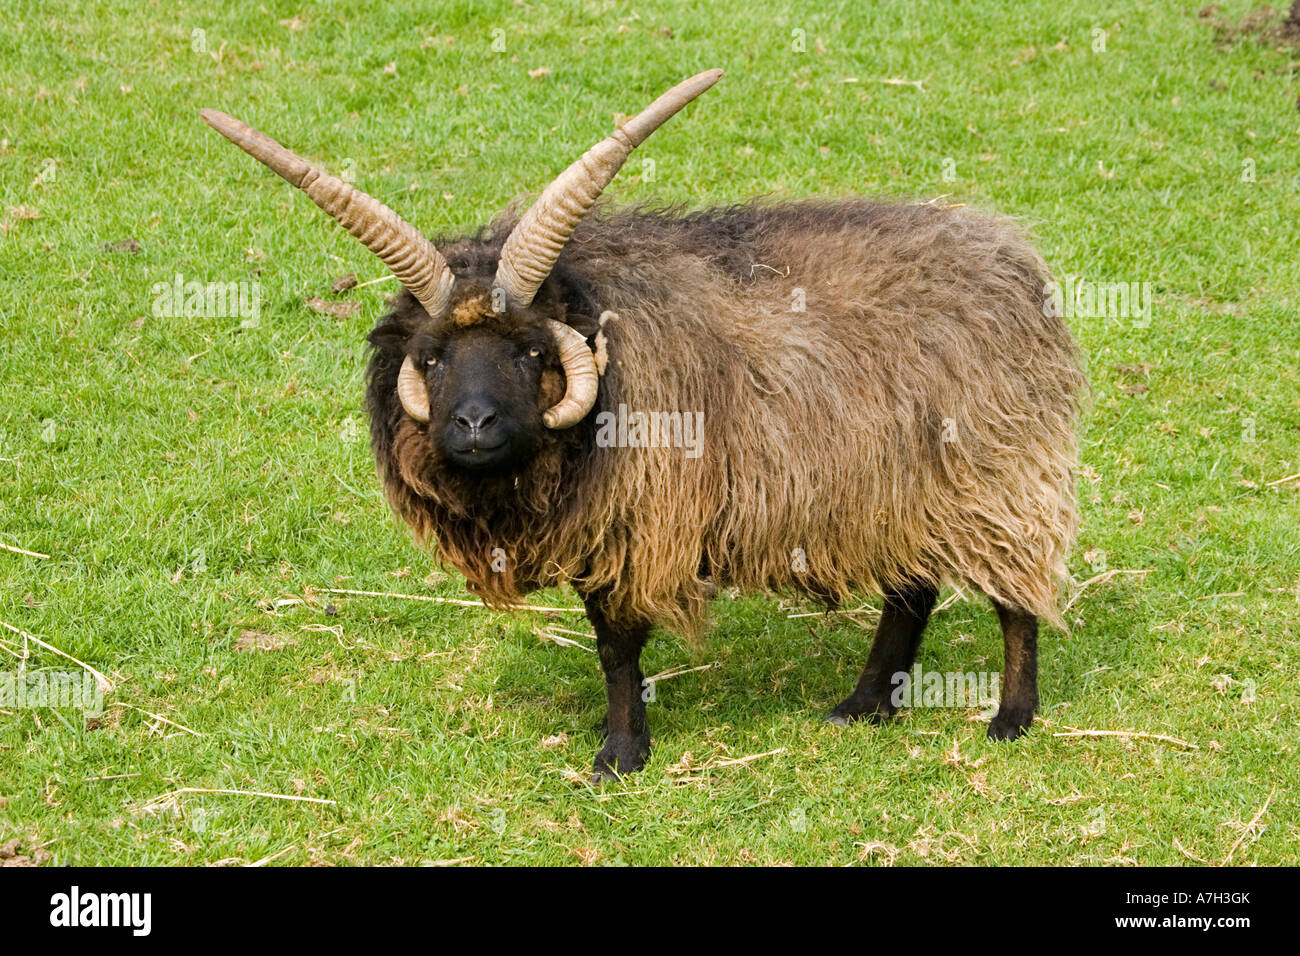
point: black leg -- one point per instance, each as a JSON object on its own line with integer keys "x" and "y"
{"x": 627, "y": 738}
{"x": 1019, "y": 674}
{"x": 902, "y": 621}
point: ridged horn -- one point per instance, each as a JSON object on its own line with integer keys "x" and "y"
{"x": 401, "y": 246}
{"x": 535, "y": 243}
{"x": 412, "y": 393}
{"x": 580, "y": 376}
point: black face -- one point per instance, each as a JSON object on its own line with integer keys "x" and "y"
{"x": 483, "y": 395}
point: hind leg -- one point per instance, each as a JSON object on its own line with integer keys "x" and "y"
{"x": 1020, "y": 674}
{"x": 902, "y": 621}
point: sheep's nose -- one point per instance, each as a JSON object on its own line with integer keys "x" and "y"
{"x": 474, "y": 417}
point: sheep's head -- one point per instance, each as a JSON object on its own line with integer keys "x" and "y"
{"x": 486, "y": 386}
{"x": 475, "y": 372}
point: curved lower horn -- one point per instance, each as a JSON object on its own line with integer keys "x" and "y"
{"x": 401, "y": 246}
{"x": 535, "y": 243}
{"x": 580, "y": 376}
{"x": 412, "y": 392}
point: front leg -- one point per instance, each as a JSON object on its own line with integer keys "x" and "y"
{"x": 619, "y": 644}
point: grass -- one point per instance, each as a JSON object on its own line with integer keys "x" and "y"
{"x": 184, "y": 473}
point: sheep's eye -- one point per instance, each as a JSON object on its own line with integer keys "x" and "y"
{"x": 431, "y": 362}
{"x": 534, "y": 352}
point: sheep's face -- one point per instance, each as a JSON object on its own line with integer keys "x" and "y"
{"x": 488, "y": 379}
{"x": 485, "y": 394}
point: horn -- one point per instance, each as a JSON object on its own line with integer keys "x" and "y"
{"x": 401, "y": 246}
{"x": 580, "y": 376}
{"x": 412, "y": 393}
{"x": 535, "y": 243}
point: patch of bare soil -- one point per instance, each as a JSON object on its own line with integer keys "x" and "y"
{"x": 1271, "y": 27}
{"x": 11, "y": 854}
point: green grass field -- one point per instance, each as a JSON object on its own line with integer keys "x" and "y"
{"x": 184, "y": 474}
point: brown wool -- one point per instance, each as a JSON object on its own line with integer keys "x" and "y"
{"x": 882, "y": 392}
{"x": 470, "y": 311}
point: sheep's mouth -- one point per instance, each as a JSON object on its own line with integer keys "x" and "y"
{"x": 481, "y": 458}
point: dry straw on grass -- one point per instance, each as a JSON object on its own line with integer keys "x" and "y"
{"x": 105, "y": 684}
{"x": 1250, "y": 828}
{"x": 455, "y": 601}
{"x": 158, "y": 717}
{"x": 1075, "y": 732}
{"x": 689, "y": 772}
{"x": 169, "y": 798}
{"x": 1099, "y": 578}
{"x": 555, "y": 638}
{"x": 31, "y": 554}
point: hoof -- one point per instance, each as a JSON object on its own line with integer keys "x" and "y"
{"x": 621, "y": 755}
{"x": 1009, "y": 725}
{"x": 852, "y": 708}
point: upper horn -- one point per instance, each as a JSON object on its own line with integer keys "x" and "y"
{"x": 535, "y": 243}
{"x": 402, "y": 247}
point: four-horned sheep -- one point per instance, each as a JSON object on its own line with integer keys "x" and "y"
{"x": 650, "y": 404}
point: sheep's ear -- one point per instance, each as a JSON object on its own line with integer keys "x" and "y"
{"x": 389, "y": 336}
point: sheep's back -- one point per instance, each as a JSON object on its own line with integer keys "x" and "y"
{"x": 884, "y": 396}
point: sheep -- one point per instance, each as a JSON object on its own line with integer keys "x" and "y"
{"x": 879, "y": 399}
